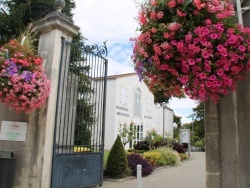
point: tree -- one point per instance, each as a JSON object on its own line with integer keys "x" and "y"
{"x": 117, "y": 161}
{"x": 127, "y": 132}
{"x": 85, "y": 106}
{"x": 177, "y": 120}
{"x": 15, "y": 15}
{"x": 198, "y": 120}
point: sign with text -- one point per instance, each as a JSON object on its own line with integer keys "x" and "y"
{"x": 185, "y": 135}
{"x": 13, "y": 131}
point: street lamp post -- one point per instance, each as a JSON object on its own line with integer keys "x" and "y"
{"x": 164, "y": 106}
{"x": 193, "y": 130}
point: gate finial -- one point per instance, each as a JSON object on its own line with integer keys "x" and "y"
{"x": 59, "y": 5}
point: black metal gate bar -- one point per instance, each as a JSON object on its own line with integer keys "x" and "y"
{"x": 80, "y": 117}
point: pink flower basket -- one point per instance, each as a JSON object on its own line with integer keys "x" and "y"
{"x": 192, "y": 47}
{"x": 23, "y": 85}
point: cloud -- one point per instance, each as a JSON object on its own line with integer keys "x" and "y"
{"x": 182, "y": 104}
{"x": 112, "y": 21}
{"x": 183, "y": 108}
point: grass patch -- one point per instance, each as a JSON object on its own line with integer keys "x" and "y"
{"x": 106, "y": 154}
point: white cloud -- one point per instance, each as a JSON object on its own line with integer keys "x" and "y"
{"x": 182, "y": 104}
{"x": 115, "y": 67}
{"x": 183, "y": 108}
{"x": 112, "y": 21}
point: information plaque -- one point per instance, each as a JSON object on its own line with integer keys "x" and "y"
{"x": 13, "y": 131}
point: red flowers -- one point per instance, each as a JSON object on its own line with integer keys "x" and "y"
{"x": 192, "y": 47}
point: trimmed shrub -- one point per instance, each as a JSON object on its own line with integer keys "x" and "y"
{"x": 117, "y": 162}
{"x": 179, "y": 148}
{"x": 135, "y": 159}
{"x": 142, "y": 145}
{"x": 153, "y": 156}
{"x": 168, "y": 157}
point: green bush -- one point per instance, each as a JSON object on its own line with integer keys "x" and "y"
{"x": 138, "y": 151}
{"x": 183, "y": 156}
{"x": 168, "y": 157}
{"x": 117, "y": 162}
{"x": 153, "y": 156}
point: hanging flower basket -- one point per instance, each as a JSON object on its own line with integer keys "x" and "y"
{"x": 23, "y": 85}
{"x": 192, "y": 47}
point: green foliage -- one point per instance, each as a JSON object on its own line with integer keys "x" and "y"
{"x": 155, "y": 140}
{"x": 137, "y": 151}
{"x": 117, "y": 162}
{"x": 171, "y": 142}
{"x": 15, "y": 15}
{"x": 198, "y": 114}
{"x": 162, "y": 157}
{"x": 168, "y": 157}
{"x": 153, "y": 156}
{"x": 200, "y": 143}
{"x": 183, "y": 156}
{"x": 85, "y": 118}
{"x": 127, "y": 132}
{"x": 198, "y": 117}
{"x": 177, "y": 120}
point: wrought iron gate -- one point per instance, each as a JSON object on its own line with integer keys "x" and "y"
{"x": 80, "y": 117}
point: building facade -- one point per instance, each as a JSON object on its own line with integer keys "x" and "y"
{"x": 129, "y": 100}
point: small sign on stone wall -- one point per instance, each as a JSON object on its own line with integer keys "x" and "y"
{"x": 13, "y": 131}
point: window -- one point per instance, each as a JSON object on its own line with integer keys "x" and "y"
{"x": 139, "y": 133}
{"x": 123, "y": 95}
{"x": 137, "y": 102}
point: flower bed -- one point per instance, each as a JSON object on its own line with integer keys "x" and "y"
{"x": 192, "y": 47}
{"x": 23, "y": 85}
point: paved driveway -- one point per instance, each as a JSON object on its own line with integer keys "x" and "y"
{"x": 189, "y": 174}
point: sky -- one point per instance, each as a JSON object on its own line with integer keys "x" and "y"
{"x": 114, "y": 21}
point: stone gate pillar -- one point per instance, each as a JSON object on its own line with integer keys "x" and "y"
{"x": 227, "y": 134}
{"x": 52, "y": 28}
{"x": 34, "y": 155}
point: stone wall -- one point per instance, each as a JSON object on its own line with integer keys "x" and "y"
{"x": 227, "y": 135}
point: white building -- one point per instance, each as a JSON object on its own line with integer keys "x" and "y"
{"x": 128, "y": 100}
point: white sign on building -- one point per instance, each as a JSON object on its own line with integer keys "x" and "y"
{"x": 13, "y": 131}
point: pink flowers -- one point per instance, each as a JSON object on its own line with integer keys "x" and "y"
{"x": 203, "y": 58}
{"x": 23, "y": 85}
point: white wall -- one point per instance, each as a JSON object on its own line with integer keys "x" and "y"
{"x": 120, "y": 108}
{"x": 110, "y": 135}
{"x": 169, "y": 122}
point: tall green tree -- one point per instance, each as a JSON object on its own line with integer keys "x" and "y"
{"x": 198, "y": 120}
{"x": 177, "y": 121}
{"x": 15, "y": 15}
{"x": 117, "y": 161}
{"x": 85, "y": 118}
